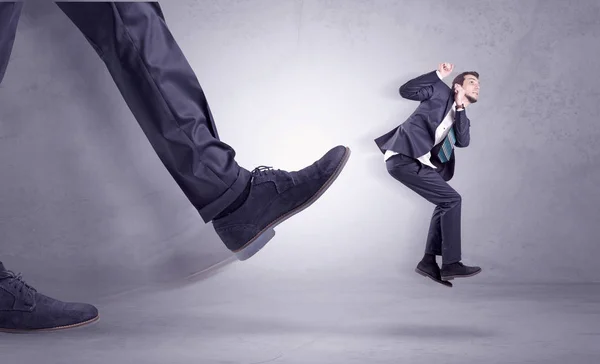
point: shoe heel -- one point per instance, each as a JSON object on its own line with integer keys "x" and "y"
{"x": 255, "y": 246}
{"x": 419, "y": 272}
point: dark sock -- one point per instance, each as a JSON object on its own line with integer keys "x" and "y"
{"x": 429, "y": 258}
{"x": 237, "y": 203}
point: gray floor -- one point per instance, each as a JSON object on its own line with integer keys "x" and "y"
{"x": 242, "y": 315}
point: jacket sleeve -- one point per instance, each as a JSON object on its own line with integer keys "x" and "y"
{"x": 420, "y": 88}
{"x": 462, "y": 126}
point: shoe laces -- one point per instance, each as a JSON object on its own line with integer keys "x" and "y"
{"x": 16, "y": 281}
{"x": 262, "y": 170}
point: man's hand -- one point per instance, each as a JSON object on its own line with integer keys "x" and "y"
{"x": 445, "y": 69}
{"x": 459, "y": 94}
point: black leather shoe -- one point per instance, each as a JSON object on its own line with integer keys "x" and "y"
{"x": 431, "y": 270}
{"x": 275, "y": 196}
{"x": 23, "y": 309}
{"x": 458, "y": 270}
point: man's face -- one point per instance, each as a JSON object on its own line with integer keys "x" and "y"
{"x": 471, "y": 86}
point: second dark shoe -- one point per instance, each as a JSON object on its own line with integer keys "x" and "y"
{"x": 458, "y": 270}
{"x": 275, "y": 196}
{"x": 431, "y": 270}
{"x": 23, "y": 309}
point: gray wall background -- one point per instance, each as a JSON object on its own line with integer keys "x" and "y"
{"x": 87, "y": 209}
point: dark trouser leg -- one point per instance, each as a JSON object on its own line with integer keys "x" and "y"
{"x": 164, "y": 95}
{"x": 9, "y": 19}
{"x": 434, "y": 237}
{"x": 445, "y": 222}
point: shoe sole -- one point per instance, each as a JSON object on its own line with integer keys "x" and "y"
{"x": 449, "y": 278}
{"x": 58, "y": 328}
{"x": 266, "y": 234}
{"x": 425, "y": 274}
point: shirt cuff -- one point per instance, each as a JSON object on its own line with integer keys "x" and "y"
{"x": 439, "y": 75}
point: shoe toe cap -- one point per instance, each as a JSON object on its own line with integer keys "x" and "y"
{"x": 54, "y": 313}
{"x": 82, "y": 312}
{"x": 331, "y": 160}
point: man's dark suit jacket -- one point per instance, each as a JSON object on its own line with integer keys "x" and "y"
{"x": 416, "y": 136}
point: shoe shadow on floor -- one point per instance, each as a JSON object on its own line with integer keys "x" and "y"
{"x": 195, "y": 323}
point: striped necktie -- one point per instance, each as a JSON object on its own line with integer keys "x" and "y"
{"x": 447, "y": 146}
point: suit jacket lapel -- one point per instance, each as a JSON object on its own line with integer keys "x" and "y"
{"x": 447, "y": 108}
{"x": 448, "y": 105}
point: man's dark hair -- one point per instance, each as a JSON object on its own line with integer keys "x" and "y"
{"x": 461, "y": 78}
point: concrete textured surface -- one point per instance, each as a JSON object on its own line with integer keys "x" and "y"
{"x": 254, "y": 317}
{"x": 87, "y": 212}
